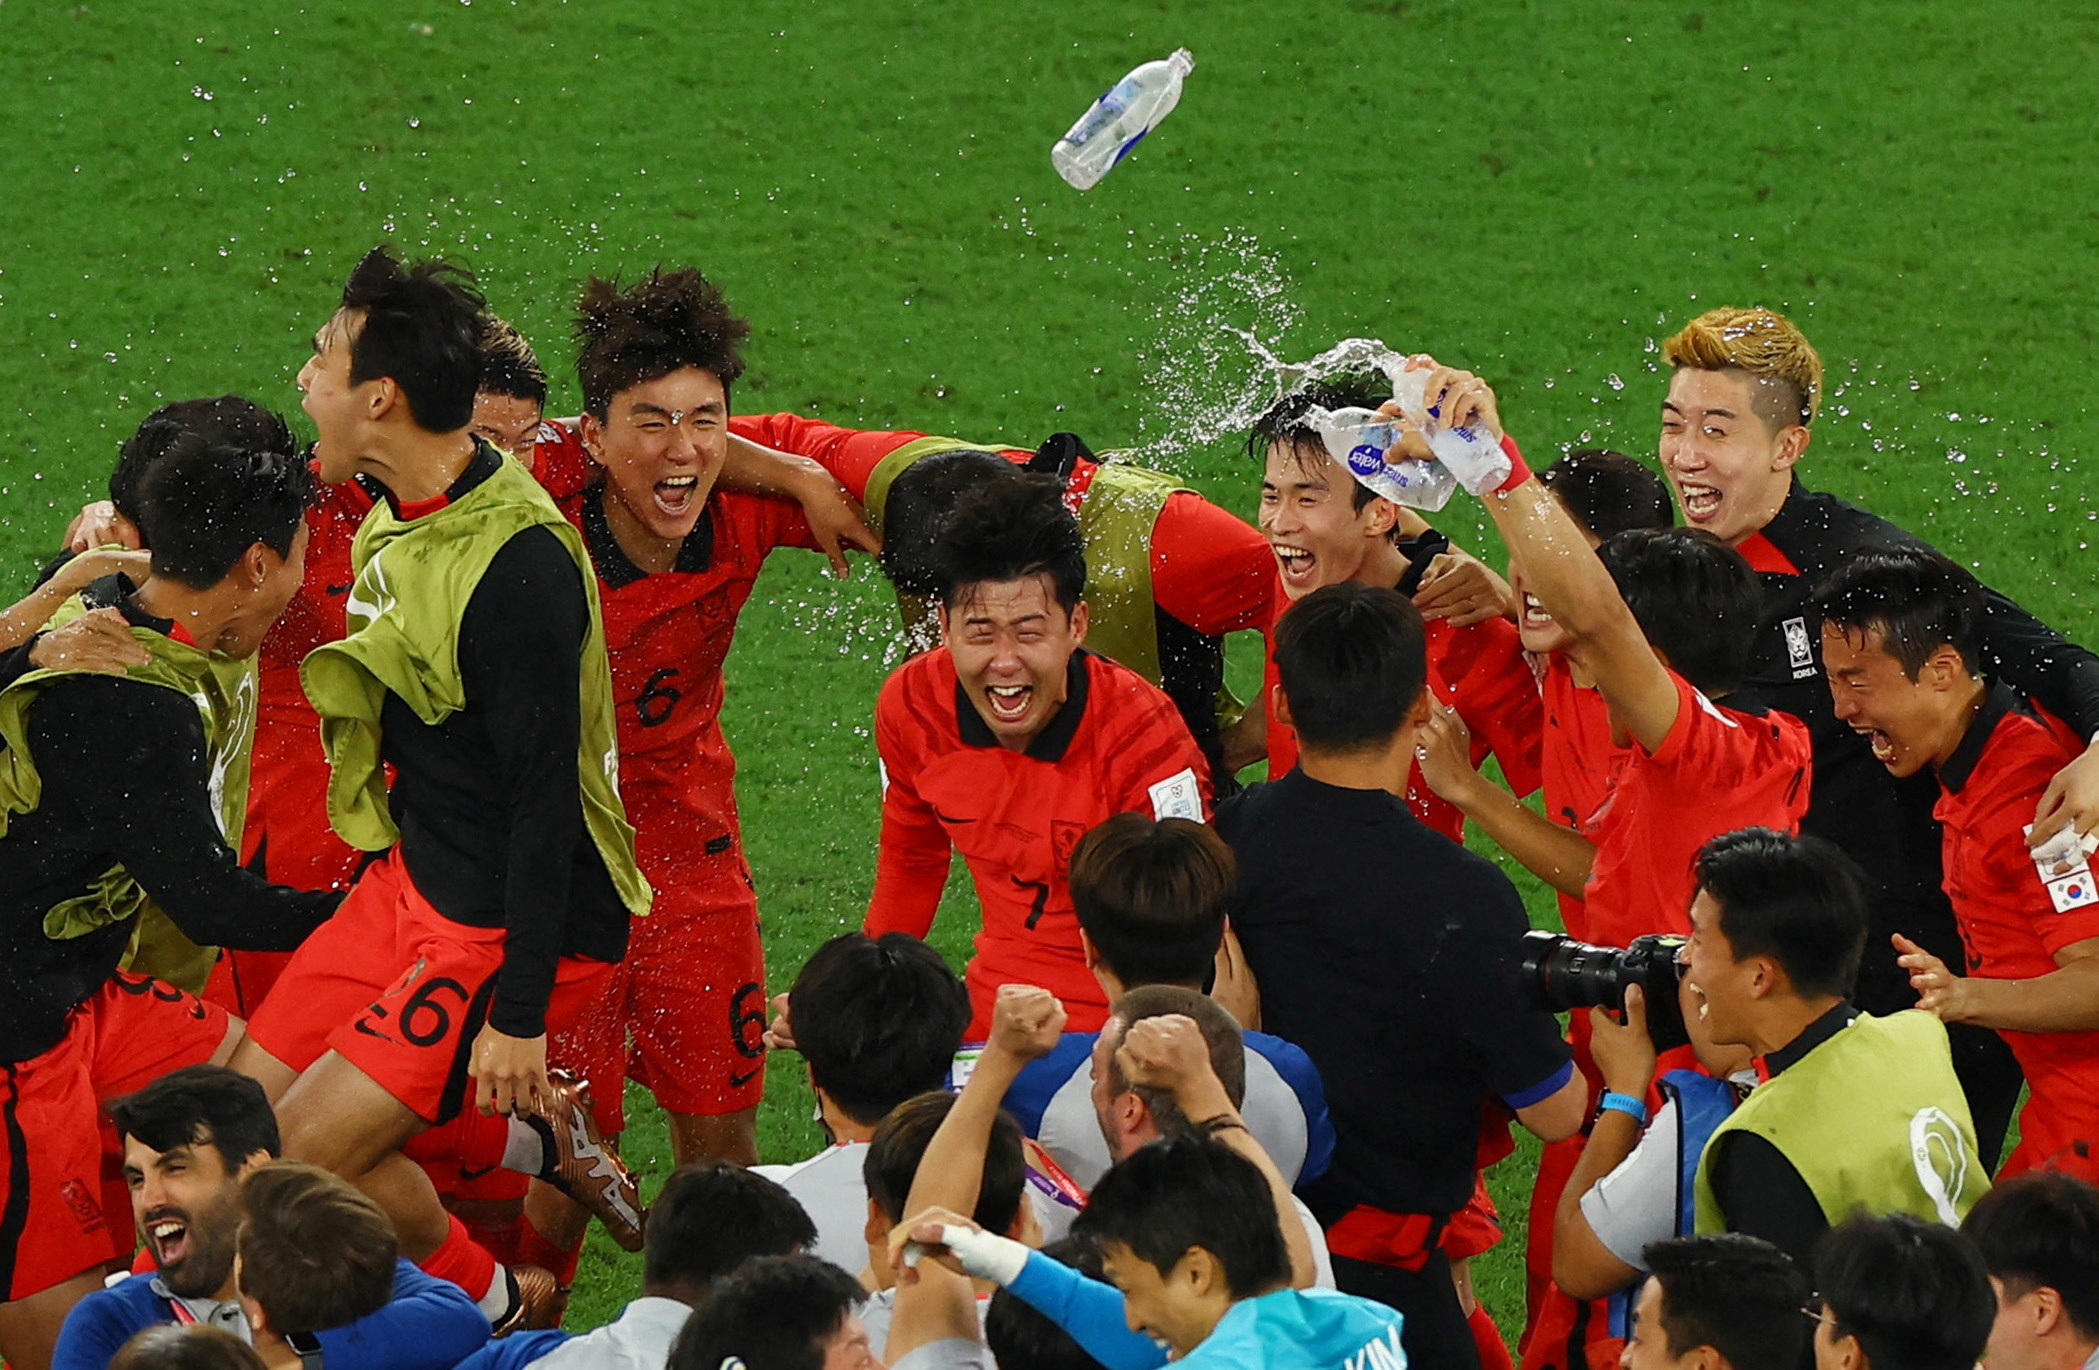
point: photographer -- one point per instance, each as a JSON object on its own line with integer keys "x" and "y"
{"x": 1776, "y": 931}
{"x": 1629, "y": 1188}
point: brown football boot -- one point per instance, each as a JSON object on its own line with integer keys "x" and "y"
{"x": 540, "y": 1302}
{"x": 583, "y": 1165}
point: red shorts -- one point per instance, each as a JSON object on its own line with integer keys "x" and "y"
{"x": 287, "y": 838}
{"x": 1474, "y": 1228}
{"x": 401, "y": 991}
{"x": 684, "y": 1015}
{"x": 53, "y": 1224}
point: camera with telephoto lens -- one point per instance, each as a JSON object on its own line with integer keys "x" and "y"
{"x": 1563, "y": 974}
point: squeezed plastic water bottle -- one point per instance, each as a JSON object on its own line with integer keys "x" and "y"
{"x": 1119, "y": 120}
{"x": 1360, "y": 439}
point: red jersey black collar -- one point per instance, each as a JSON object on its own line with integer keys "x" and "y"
{"x": 485, "y": 462}
{"x": 1813, "y": 1035}
{"x": 615, "y": 567}
{"x": 117, "y": 592}
{"x": 2000, "y": 701}
{"x": 1055, "y": 739}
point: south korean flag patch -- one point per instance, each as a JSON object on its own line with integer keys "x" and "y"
{"x": 2064, "y": 865}
{"x": 1178, "y": 796}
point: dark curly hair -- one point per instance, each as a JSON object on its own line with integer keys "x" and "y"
{"x": 662, "y": 323}
{"x": 1010, "y": 530}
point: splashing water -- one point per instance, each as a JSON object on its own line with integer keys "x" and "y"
{"x": 1227, "y": 302}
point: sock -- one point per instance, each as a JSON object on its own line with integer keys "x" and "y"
{"x": 473, "y": 1141}
{"x": 499, "y": 1237}
{"x": 533, "y": 1248}
{"x": 1494, "y": 1352}
{"x": 526, "y": 1148}
{"x": 465, "y": 1264}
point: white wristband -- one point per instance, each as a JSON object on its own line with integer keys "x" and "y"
{"x": 985, "y": 1255}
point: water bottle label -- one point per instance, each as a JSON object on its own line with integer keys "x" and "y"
{"x": 1366, "y": 460}
{"x": 1126, "y": 148}
{"x": 1105, "y": 111}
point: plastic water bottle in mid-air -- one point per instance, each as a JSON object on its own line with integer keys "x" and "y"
{"x": 1118, "y": 120}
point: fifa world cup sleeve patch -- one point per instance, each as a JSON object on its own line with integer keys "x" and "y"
{"x": 1178, "y": 796}
{"x": 882, "y": 770}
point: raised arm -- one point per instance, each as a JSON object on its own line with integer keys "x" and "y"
{"x": 1566, "y": 575}
{"x": 1168, "y": 1052}
{"x": 1559, "y": 856}
{"x": 835, "y": 517}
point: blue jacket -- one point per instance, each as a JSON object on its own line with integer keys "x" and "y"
{"x": 430, "y": 1325}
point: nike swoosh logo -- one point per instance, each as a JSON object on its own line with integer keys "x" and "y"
{"x": 470, "y": 1173}
{"x": 370, "y": 1031}
{"x": 739, "y": 1081}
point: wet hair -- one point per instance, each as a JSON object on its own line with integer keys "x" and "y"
{"x": 224, "y": 421}
{"x": 508, "y": 364}
{"x": 1151, "y": 895}
{"x": 422, "y": 330}
{"x": 1020, "y": 1338}
{"x": 1286, "y": 423}
{"x": 1915, "y": 1293}
{"x": 2041, "y": 1230}
{"x": 1738, "y": 1294}
{"x": 1917, "y": 599}
{"x": 1695, "y": 598}
{"x": 185, "y": 1346}
{"x": 664, "y": 322}
{"x": 197, "y": 1105}
{"x": 1166, "y": 1198}
{"x": 1607, "y": 492}
{"x": 1353, "y": 660}
{"x": 713, "y": 1216}
{"x": 1011, "y": 530}
{"x": 1221, "y": 1036}
{"x": 901, "y": 1141}
{"x": 1798, "y": 900}
{"x": 921, "y": 501}
{"x": 201, "y": 506}
{"x": 878, "y": 1020}
{"x": 772, "y": 1313}
{"x": 1767, "y": 347}
{"x": 315, "y": 1253}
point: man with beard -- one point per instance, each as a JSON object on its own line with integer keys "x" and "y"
{"x": 189, "y": 1139}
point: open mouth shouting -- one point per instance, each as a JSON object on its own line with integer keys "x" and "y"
{"x": 1701, "y": 502}
{"x": 1884, "y": 749}
{"x": 674, "y": 497}
{"x": 1534, "y": 615}
{"x": 1009, "y": 703}
{"x": 1298, "y": 566}
{"x": 168, "y": 1233}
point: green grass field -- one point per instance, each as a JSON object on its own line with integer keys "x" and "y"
{"x": 1538, "y": 190}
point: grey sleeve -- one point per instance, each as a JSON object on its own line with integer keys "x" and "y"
{"x": 1636, "y": 1203}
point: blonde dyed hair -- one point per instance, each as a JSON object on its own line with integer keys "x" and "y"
{"x": 1764, "y": 344}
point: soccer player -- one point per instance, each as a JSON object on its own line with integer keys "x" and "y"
{"x": 117, "y": 790}
{"x": 497, "y": 906}
{"x": 1901, "y": 634}
{"x": 1722, "y": 1302}
{"x": 1010, "y": 742}
{"x": 1660, "y": 621}
{"x": 676, "y": 559}
{"x": 1736, "y": 423}
{"x": 1323, "y": 528}
{"x": 1169, "y": 573}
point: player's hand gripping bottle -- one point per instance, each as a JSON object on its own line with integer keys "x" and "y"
{"x": 1119, "y": 120}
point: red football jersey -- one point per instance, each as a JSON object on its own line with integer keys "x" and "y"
{"x": 667, "y": 636}
{"x": 1118, "y": 744}
{"x": 1479, "y": 671}
{"x": 2014, "y": 917}
{"x": 1719, "y": 769}
{"x": 1210, "y": 569}
{"x": 1576, "y": 761}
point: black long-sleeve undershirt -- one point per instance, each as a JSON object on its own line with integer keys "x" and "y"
{"x": 126, "y": 780}
{"x": 489, "y": 802}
